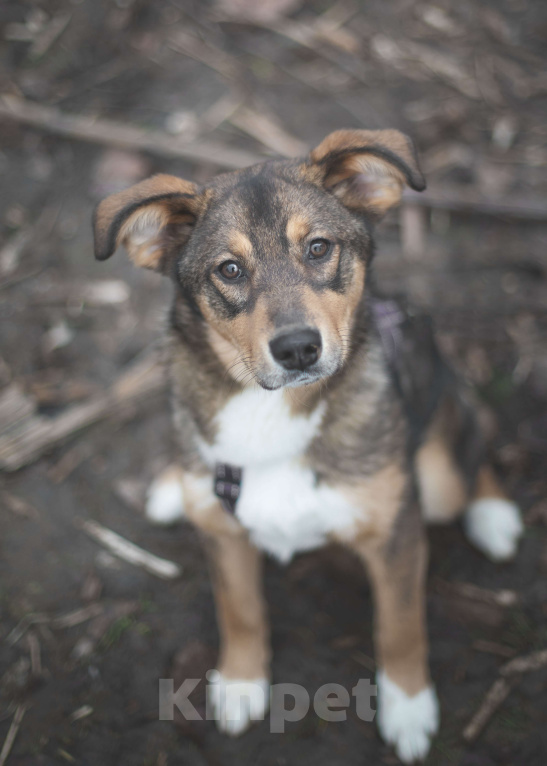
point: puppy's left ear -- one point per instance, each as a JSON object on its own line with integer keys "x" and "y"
{"x": 149, "y": 219}
{"x": 367, "y": 169}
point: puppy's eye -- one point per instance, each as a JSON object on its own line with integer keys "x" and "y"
{"x": 230, "y": 270}
{"x": 319, "y": 248}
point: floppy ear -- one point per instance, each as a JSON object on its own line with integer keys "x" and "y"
{"x": 367, "y": 169}
{"x": 146, "y": 218}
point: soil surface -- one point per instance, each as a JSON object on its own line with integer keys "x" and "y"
{"x": 468, "y": 82}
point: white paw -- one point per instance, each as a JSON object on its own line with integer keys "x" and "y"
{"x": 494, "y": 525}
{"x": 165, "y": 498}
{"x": 407, "y": 723}
{"x": 235, "y": 703}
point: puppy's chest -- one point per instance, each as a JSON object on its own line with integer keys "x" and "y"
{"x": 281, "y": 503}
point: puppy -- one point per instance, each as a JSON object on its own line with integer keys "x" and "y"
{"x": 308, "y": 410}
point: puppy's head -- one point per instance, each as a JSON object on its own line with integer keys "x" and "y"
{"x": 271, "y": 260}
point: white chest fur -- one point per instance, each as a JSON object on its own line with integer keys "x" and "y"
{"x": 280, "y": 504}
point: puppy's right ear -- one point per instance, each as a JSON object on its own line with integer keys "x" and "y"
{"x": 148, "y": 219}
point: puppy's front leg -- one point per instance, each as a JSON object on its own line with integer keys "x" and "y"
{"x": 239, "y": 690}
{"x": 396, "y": 561}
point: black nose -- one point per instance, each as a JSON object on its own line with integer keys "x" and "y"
{"x": 297, "y": 350}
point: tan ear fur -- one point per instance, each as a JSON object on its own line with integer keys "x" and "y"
{"x": 368, "y": 169}
{"x": 139, "y": 217}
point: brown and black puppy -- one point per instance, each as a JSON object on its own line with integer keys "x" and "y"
{"x": 306, "y": 413}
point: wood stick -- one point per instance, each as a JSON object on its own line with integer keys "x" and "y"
{"x": 413, "y": 230}
{"x": 35, "y": 654}
{"x": 496, "y": 695}
{"x": 36, "y": 618}
{"x": 102, "y": 131}
{"x": 268, "y": 131}
{"x": 158, "y": 142}
{"x": 500, "y": 689}
{"x": 455, "y": 201}
{"x": 130, "y": 552}
{"x": 503, "y": 598}
{"x": 533, "y": 661}
{"x": 12, "y": 733}
{"x": 78, "y": 616}
{"x": 35, "y": 434}
{"x": 81, "y": 712}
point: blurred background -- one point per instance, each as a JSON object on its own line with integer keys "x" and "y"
{"x": 96, "y": 95}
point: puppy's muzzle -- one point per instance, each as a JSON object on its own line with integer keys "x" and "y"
{"x": 297, "y": 349}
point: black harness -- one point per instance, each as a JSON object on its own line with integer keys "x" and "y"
{"x": 228, "y": 485}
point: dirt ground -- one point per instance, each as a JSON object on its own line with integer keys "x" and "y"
{"x": 469, "y": 82}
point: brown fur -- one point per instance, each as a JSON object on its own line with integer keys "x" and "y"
{"x": 298, "y": 227}
{"x": 487, "y": 484}
{"x": 236, "y": 569}
{"x": 443, "y": 488}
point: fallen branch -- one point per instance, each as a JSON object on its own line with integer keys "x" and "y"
{"x": 158, "y": 142}
{"x": 500, "y": 689}
{"x": 496, "y": 695}
{"x": 504, "y": 598}
{"x": 102, "y": 131}
{"x": 525, "y": 664}
{"x": 35, "y": 654}
{"x": 36, "y": 618}
{"x": 130, "y": 552}
{"x": 268, "y": 131}
{"x": 78, "y": 616}
{"x": 491, "y": 647}
{"x": 26, "y": 438}
{"x": 81, "y": 712}
{"x": 467, "y": 202}
{"x": 12, "y": 733}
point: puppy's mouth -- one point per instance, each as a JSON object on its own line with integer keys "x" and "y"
{"x": 296, "y": 381}
{"x": 275, "y": 378}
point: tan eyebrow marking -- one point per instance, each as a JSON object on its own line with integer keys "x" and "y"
{"x": 239, "y": 244}
{"x": 297, "y": 228}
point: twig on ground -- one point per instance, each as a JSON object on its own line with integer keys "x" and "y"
{"x": 314, "y": 37}
{"x": 23, "y": 625}
{"x": 267, "y": 130}
{"x": 68, "y": 463}
{"x": 413, "y": 230}
{"x": 12, "y": 733}
{"x": 18, "y": 506}
{"x": 525, "y": 664}
{"x": 491, "y": 647}
{"x": 456, "y": 201}
{"x": 78, "y": 616}
{"x": 130, "y": 552}
{"x": 504, "y": 598}
{"x": 25, "y": 439}
{"x": 81, "y": 712}
{"x": 183, "y": 41}
{"x": 51, "y": 32}
{"x": 496, "y": 695}
{"x": 35, "y": 654}
{"x": 499, "y": 691}
{"x": 63, "y": 621}
{"x": 402, "y": 55}
{"x": 102, "y": 131}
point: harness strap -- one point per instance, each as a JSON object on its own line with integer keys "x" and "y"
{"x": 227, "y": 485}
{"x": 389, "y": 318}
